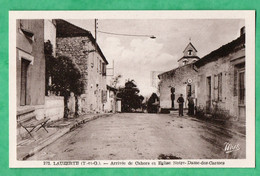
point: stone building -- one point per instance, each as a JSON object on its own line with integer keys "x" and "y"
{"x": 216, "y": 81}
{"x": 79, "y": 45}
{"x": 221, "y": 79}
{"x": 189, "y": 55}
{"x": 181, "y": 80}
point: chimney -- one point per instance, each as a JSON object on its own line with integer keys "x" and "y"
{"x": 242, "y": 30}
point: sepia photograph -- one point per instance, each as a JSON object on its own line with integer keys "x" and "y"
{"x": 101, "y": 89}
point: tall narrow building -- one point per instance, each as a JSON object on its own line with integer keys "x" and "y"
{"x": 189, "y": 55}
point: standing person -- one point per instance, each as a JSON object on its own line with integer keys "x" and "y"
{"x": 190, "y": 106}
{"x": 180, "y": 100}
{"x": 71, "y": 104}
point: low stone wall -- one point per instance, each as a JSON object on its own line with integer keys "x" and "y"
{"x": 54, "y": 107}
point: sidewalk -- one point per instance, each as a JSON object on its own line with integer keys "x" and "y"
{"x": 234, "y": 126}
{"x": 28, "y": 146}
{"x": 237, "y": 127}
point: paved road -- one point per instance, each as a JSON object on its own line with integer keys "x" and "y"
{"x": 143, "y": 136}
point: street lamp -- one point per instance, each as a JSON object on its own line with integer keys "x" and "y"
{"x": 128, "y": 35}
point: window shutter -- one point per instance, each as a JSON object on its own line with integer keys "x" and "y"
{"x": 235, "y": 82}
{"x": 220, "y": 86}
{"x": 215, "y": 87}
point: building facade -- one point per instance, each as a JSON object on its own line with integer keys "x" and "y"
{"x": 181, "y": 80}
{"x": 30, "y": 67}
{"x": 221, "y": 79}
{"x": 79, "y": 45}
{"x": 216, "y": 81}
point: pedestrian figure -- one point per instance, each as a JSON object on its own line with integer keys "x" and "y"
{"x": 71, "y": 105}
{"x": 190, "y": 105}
{"x": 172, "y": 96}
{"x": 180, "y": 100}
{"x": 79, "y": 106}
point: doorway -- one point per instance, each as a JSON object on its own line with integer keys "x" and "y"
{"x": 24, "y": 76}
{"x": 208, "y": 88}
{"x": 188, "y": 91}
{"x": 241, "y": 95}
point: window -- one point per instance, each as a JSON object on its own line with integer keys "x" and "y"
{"x": 241, "y": 88}
{"x": 97, "y": 63}
{"x": 26, "y": 24}
{"x": 185, "y": 62}
{"x": 26, "y": 27}
{"x": 104, "y": 70}
{"x": 189, "y": 52}
{"x": 100, "y": 67}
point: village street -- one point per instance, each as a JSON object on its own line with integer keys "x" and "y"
{"x": 144, "y": 136}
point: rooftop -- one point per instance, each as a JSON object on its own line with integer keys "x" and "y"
{"x": 223, "y": 51}
{"x": 66, "y": 29}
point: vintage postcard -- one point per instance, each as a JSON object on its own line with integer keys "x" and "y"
{"x": 132, "y": 89}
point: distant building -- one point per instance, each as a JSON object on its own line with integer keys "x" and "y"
{"x": 221, "y": 79}
{"x": 189, "y": 55}
{"x": 110, "y": 105}
{"x": 79, "y": 45}
{"x": 216, "y": 81}
{"x": 180, "y": 80}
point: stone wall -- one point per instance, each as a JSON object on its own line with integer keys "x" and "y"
{"x": 229, "y": 101}
{"x": 97, "y": 84}
{"x": 82, "y": 51}
{"x": 78, "y": 49}
{"x": 54, "y": 107}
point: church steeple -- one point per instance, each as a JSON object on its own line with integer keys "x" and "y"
{"x": 189, "y": 55}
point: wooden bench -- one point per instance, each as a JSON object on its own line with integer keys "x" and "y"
{"x": 30, "y": 122}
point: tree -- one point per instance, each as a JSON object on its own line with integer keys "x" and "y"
{"x": 131, "y": 100}
{"x": 62, "y": 74}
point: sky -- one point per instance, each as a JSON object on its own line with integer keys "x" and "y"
{"x": 135, "y": 57}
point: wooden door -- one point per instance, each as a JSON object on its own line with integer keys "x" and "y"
{"x": 241, "y": 95}
{"x": 24, "y": 75}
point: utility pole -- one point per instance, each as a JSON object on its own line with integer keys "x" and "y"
{"x": 96, "y": 30}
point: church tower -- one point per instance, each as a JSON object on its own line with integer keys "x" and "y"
{"x": 190, "y": 55}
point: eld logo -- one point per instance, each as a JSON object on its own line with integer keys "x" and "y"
{"x": 230, "y": 148}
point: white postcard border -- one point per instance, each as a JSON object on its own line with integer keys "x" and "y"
{"x": 248, "y": 15}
